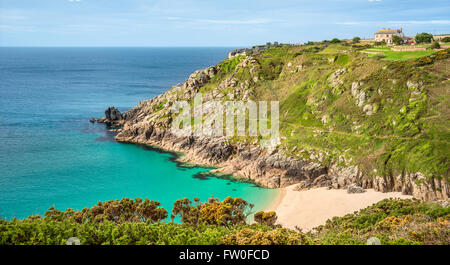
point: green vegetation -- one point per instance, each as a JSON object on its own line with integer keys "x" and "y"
{"x": 424, "y": 38}
{"x": 404, "y": 56}
{"x": 123, "y": 223}
{"x": 400, "y": 125}
{"x": 397, "y": 40}
{"x": 384, "y": 111}
{"x": 435, "y": 45}
{"x": 394, "y": 121}
{"x": 446, "y": 39}
{"x": 356, "y": 39}
{"x": 393, "y": 221}
{"x": 335, "y": 40}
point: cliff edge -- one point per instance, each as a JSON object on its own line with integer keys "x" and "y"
{"x": 345, "y": 118}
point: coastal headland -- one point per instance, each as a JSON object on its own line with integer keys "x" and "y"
{"x": 346, "y": 120}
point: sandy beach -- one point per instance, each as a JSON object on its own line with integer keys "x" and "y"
{"x": 311, "y": 208}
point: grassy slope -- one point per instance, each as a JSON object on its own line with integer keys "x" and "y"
{"x": 399, "y": 56}
{"x": 409, "y": 131}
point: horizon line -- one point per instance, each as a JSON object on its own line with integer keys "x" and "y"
{"x": 63, "y": 46}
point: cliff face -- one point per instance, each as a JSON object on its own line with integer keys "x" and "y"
{"x": 329, "y": 100}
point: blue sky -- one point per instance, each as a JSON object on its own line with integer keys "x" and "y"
{"x": 210, "y": 22}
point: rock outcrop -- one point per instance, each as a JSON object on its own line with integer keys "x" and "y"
{"x": 243, "y": 161}
{"x": 112, "y": 118}
{"x": 354, "y": 188}
{"x": 113, "y": 114}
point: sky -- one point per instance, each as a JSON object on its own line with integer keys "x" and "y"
{"x": 237, "y": 23}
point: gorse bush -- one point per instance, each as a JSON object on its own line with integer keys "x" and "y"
{"x": 125, "y": 210}
{"x": 394, "y": 221}
{"x": 231, "y": 211}
{"x": 266, "y": 218}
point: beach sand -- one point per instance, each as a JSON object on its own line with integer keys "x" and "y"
{"x": 311, "y": 208}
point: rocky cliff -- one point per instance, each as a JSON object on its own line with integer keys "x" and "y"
{"x": 291, "y": 162}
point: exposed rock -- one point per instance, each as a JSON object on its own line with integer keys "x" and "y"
{"x": 298, "y": 68}
{"x": 335, "y": 80}
{"x": 113, "y": 114}
{"x": 266, "y": 166}
{"x": 238, "y": 52}
{"x": 303, "y": 185}
{"x": 354, "y": 188}
{"x": 413, "y": 85}
{"x": 359, "y": 94}
{"x": 368, "y": 109}
{"x": 112, "y": 118}
{"x": 92, "y": 120}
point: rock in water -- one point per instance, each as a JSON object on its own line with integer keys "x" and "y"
{"x": 113, "y": 114}
{"x": 92, "y": 120}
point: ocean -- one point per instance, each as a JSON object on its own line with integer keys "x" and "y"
{"x": 51, "y": 155}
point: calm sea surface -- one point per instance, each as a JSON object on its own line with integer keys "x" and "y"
{"x": 51, "y": 155}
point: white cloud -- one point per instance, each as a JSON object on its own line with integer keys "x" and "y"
{"x": 74, "y": 1}
{"x": 236, "y": 22}
{"x": 374, "y": 0}
{"x": 348, "y": 23}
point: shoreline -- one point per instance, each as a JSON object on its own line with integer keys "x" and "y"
{"x": 287, "y": 203}
{"x": 311, "y": 208}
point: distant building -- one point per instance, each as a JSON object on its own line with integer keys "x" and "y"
{"x": 386, "y": 35}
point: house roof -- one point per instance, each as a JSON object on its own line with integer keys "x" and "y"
{"x": 388, "y": 31}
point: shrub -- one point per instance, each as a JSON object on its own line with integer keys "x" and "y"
{"x": 356, "y": 39}
{"x": 279, "y": 236}
{"x": 446, "y": 39}
{"x": 424, "y": 38}
{"x": 266, "y": 218}
{"x": 441, "y": 55}
{"x": 231, "y": 211}
{"x": 125, "y": 210}
{"x": 394, "y": 221}
{"x": 397, "y": 40}
{"x": 435, "y": 45}
{"x": 335, "y": 40}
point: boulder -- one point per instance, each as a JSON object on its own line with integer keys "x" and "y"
{"x": 113, "y": 114}
{"x": 354, "y": 188}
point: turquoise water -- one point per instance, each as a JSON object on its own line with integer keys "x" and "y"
{"x": 50, "y": 155}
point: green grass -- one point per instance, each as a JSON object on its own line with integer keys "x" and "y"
{"x": 407, "y": 55}
{"x": 390, "y": 55}
{"x": 407, "y": 131}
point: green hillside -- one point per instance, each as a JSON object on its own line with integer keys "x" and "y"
{"x": 339, "y": 104}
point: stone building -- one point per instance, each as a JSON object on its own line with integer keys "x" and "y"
{"x": 386, "y": 35}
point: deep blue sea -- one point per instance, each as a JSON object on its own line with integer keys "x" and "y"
{"x": 51, "y": 155}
